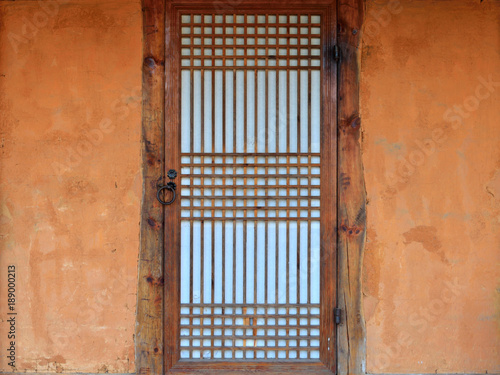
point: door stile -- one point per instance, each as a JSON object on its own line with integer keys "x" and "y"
{"x": 328, "y": 191}
{"x": 172, "y": 212}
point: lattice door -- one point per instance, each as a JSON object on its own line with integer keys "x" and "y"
{"x": 252, "y": 130}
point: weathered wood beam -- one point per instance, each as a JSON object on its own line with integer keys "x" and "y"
{"x": 149, "y": 328}
{"x": 351, "y": 333}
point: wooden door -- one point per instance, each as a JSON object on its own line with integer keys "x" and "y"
{"x": 250, "y": 244}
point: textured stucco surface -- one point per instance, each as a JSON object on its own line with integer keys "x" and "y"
{"x": 70, "y": 183}
{"x": 431, "y": 272}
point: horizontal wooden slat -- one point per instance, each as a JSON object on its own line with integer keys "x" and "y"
{"x": 250, "y": 197}
{"x": 309, "y": 337}
{"x": 251, "y": 219}
{"x": 250, "y": 348}
{"x": 254, "y": 305}
{"x": 235, "y": 367}
{"x": 255, "y": 187}
{"x": 248, "y": 175}
{"x": 221, "y": 68}
{"x": 252, "y": 165}
{"x": 253, "y": 154}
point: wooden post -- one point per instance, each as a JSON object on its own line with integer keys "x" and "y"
{"x": 352, "y": 195}
{"x": 149, "y": 328}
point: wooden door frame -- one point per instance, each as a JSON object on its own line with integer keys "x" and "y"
{"x": 150, "y": 353}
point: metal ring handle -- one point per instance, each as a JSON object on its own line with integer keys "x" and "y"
{"x": 170, "y": 186}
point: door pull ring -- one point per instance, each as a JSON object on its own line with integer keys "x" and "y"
{"x": 169, "y": 186}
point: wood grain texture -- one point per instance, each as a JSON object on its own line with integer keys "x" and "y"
{"x": 351, "y": 333}
{"x": 172, "y": 212}
{"x": 239, "y": 367}
{"x": 149, "y": 327}
{"x": 328, "y": 188}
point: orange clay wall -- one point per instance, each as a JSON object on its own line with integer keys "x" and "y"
{"x": 430, "y": 104}
{"x": 70, "y": 183}
{"x": 70, "y": 190}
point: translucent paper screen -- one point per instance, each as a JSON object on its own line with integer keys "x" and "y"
{"x": 250, "y": 186}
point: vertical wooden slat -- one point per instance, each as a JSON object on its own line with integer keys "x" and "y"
{"x": 172, "y": 212}
{"x": 233, "y": 309}
{"x": 352, "y": 194}
{"x": 212, "y": 292}
{"x": 224, "y": 148}
{"x": 149, "y": 327}
{"x": 266, "y": 140}
{"x": 299, "y": 150}
{"x": 212, "y": 226}
{"x": 203, "y": 192}
{"x": 224, "y": 182}
{"x": 255, "y": 222}
{"x": 309, "y": 181}
{"x": 191, "y": 192}
{"x": 276, "y": 246}
{"x": 288, "y": 103}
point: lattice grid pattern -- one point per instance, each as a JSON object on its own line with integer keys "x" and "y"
{"x": 249, "y": 331}
{"x": 250, "y": 186}
{"x": 247, "y": 40}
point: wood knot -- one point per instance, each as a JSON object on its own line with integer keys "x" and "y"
{"x": 151, "y": 159}
{"x": 355, "y": 122}
{"x": 350, "y": 125}
{"x": 350, "y": 230}
{"x": 345, "y": 180}
{"x": 150, "y": 62}
{"x": 151, "y": 280}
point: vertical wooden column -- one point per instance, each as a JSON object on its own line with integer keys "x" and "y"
{"x": 149, "y": 328}
{"x": 352, "y": 194}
